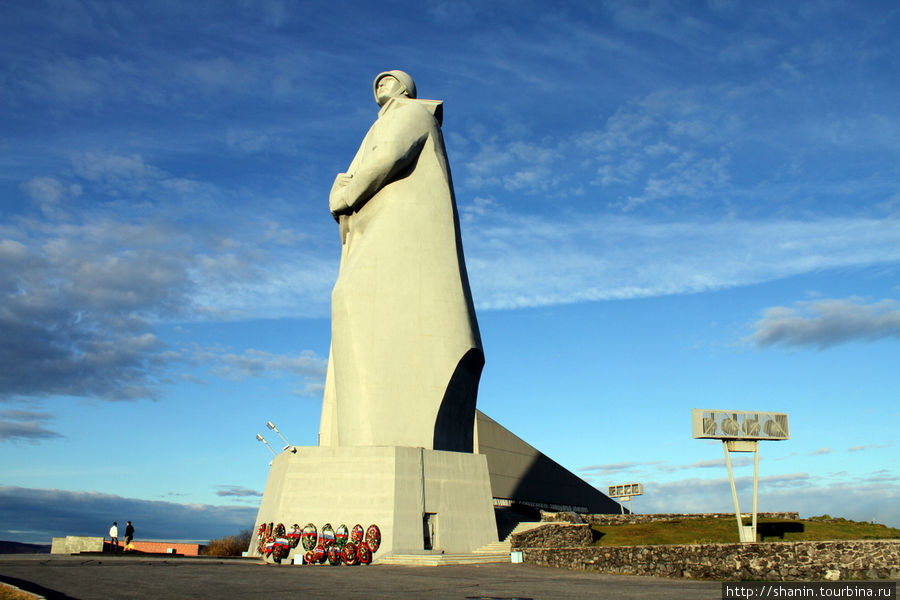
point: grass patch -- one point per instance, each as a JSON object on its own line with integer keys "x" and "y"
{"x": 11, "y": 593}
{"x": 718, "y": 531}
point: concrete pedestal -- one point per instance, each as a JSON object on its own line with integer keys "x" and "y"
{"x": 414, "y": 495}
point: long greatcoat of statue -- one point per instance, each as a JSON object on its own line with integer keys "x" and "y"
{"x": 406, "y": 353}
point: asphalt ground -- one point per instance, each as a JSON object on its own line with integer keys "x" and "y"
{"x": 58, "y": 577}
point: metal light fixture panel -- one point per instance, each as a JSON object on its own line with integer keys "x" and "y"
{"x": 739, "y": 425}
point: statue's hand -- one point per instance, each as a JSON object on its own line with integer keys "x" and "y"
{"x": 337, "y": 200}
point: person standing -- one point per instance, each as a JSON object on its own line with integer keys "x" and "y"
{"x": 129, "y": 534}
{"x": 114, "y": 537}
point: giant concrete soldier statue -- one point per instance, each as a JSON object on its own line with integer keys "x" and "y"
{"x": 406, "y": 353}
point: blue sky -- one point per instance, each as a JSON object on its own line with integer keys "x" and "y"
{"x": 665, "y": 206}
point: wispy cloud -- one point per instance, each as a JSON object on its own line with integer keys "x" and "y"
{"x": 868, "y": 446}
{"x": 521, "y": 260}
{"x": 79, "y": 80}
{"x": 50, "y": 195}
{"x": 113, "y": 167}
{"x": 25, "y": 425}
{"x": 660, "y": 466}
{"x": 882, "y": 476}
{"x": 671, "y": 144}
{"x": 93, "y": 81}
{"x": 827, "y": 323}
{"x": 617, "y": 467}
{"x": 306, "y": 367}
{"x": 233, "y": 490}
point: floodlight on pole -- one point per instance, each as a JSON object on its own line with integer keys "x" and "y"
{"x": 740, "y": 431}
{"x": 287, "y": 444}
{"x": 260, "y": 438}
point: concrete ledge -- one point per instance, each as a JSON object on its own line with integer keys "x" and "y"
{"x": 73, "y": 544}
{"x": 771, "y": 561}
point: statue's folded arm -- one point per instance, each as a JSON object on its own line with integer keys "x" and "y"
{"x": 391, "y": 146}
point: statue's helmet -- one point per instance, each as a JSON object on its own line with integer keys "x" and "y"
{"x": 401, "y": 76}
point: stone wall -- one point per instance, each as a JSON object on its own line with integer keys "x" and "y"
{"x": 561, "y": 517}
{"x": 772, "y": 561}
{"x": 553, "y": 535}
{"x": 654, "y": 518}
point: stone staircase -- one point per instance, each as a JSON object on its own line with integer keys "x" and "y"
{"x": 496, "y": 552}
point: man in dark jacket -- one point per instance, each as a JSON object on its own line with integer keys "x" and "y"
{"x": 129, "y": 534}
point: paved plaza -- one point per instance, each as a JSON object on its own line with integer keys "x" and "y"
{"x": 102, "y": 578}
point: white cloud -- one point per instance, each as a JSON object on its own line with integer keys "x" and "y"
{"x": 688, "y": 175}
{"x": 647, "y": 469}
{"x": 674, "y": 143}
{"x": 519, "y": 261}
{"x": 617, "y": 467}
{"x": 81, "y": 304}
{"x": 49, "y": 194}
{"x": 625, "y": 171}
{"x": 93, "y": 166}
{"x": 257, "y": 363}
{"x": 827, "y": 323}
{"x": 528, "y": 179}
{"x": 44, "y": 190}
{"x": 478, "y": 208}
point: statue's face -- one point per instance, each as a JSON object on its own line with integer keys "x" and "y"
{"x": 387, "y": 88}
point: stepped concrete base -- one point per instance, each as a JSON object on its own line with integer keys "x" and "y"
{"x": 438, "y": 560}
{"x": 494, "y": 552}
{"x": 405, "y": 491}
